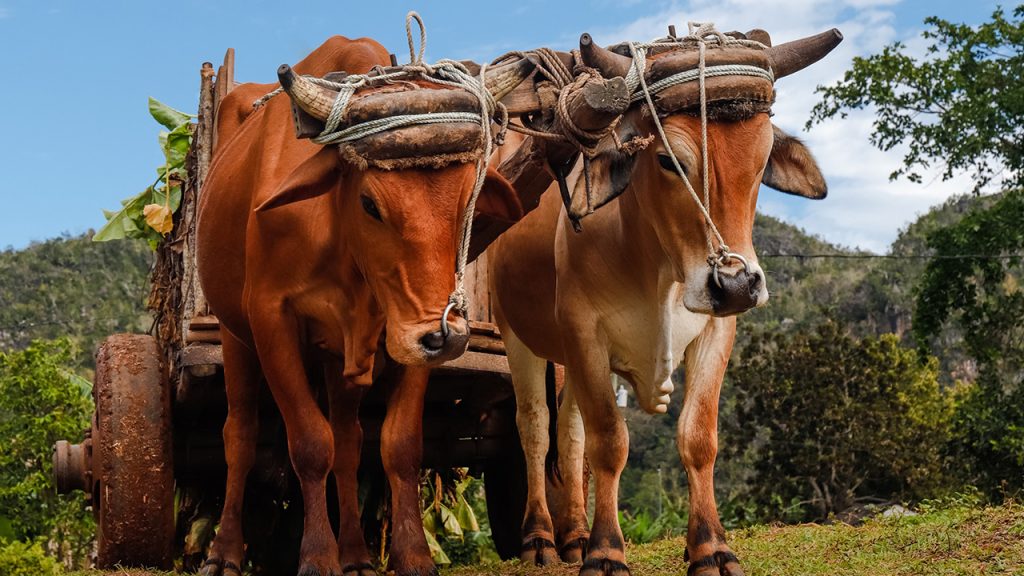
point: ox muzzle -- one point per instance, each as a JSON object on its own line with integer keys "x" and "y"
{"x": 735, "y": 289}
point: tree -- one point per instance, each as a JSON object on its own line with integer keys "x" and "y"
{"x": 981, "y": 294}
{"x": 830, "y": 421}
{"x": 40, "y": 403}
{"x": 961, "y": 107}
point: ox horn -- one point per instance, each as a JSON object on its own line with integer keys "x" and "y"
{"x": 501, "y": 80}
{"x": 799, "y": 54}
{"x": 315, "y": 100}
{"x": 608, "y": 63}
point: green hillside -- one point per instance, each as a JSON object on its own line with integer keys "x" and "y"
{"x": 73, "y": 287}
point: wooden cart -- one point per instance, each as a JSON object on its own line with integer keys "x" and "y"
{"x": 152, "y": 464}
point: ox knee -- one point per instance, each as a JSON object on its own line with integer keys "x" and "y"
{"x": 312, "y": 449}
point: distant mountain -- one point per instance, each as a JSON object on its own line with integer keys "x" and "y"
{"x": 73, "y": 287}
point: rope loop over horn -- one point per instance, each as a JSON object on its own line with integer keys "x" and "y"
{"x": 701, "y": 36}
{"x": 444, "y": 72}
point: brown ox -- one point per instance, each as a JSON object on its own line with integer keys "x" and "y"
{"x": 632, "y": 295}
{"x": 306, "y": 258}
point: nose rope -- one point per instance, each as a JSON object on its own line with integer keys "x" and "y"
{"x": 701, "y": 35}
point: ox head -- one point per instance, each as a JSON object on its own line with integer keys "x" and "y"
{"x": 744, "y": 151}
{"x": 400, "y": 199}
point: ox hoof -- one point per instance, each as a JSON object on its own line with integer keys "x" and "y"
{"x": 721, "y": 563}
{"x": 215, "y": 566}
{"x": 575, "y": 550}
{"x": 604, "y": 567}
{"x": 358, "y": 569}
{"x": 538, "y": 551}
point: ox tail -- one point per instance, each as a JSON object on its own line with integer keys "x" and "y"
{"x": 551, "y": 393}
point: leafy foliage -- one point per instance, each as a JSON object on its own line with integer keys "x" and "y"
{"x": 983, "y": 297}
{"x": 148, "y": 215}
{"x": 454, "y": 535}
{"x": 73, "y": 288}
{"x": 40, "y": 403}
{"x": 25, "y": 559}
{"x": 961, "y": 107}
{"x": 832, "y": 420}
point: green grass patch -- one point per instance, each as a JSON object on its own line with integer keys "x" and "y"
{"x": 960, "y": 541}
{"x": 954, "y": 541}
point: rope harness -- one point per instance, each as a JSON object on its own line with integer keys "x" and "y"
{"x": 446, "y": 73}
{"x": 699, "y": 36}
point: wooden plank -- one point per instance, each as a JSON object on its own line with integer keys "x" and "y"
{"x": 202, "y": 336}
{"x": 208, "y": 322}
{"x": 202, "y": 354}
{"x": 475, "y": 362}
{"x": 225, "y": 84}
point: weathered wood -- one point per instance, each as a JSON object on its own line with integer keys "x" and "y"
{"x": 475, "y": 362}
{"x": 225, "y": 84}
{"x": 205, "y": 323}
{"x": 202, "y": 336}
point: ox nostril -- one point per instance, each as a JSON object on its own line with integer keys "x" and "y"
{"x": 755, "y": 283}
{"x": 433, "y": 341}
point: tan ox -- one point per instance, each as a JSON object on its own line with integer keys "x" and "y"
{"x": 305, "y": 257}
{"x": 633, "y": 294}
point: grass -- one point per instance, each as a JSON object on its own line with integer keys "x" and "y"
{"x": 956, "y": 540}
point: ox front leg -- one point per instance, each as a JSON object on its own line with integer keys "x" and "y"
{"x": 310, "y": 441}
{"x": 532, "y": 420}
{"x": 569, "y": 498}
{"x": 606, "y": 447}
{"x": 345, "y": 399}
{"x": 241, "y": 383}
{"x": 697, "y": 438}
{"x": 401, "y": 446}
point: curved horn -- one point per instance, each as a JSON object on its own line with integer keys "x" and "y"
{"x": 607, "y": 62}
{"x": 501, "y": 80}
{"x": 314, "y": 100}
{"x": 799, "y": 54}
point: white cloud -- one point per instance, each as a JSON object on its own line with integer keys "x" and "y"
{"x": 864, "y": 208}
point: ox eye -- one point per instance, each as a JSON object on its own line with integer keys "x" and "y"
{"x": 370, "y": 207}
{"x": 666, "y": 163}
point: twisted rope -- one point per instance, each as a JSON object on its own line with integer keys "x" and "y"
{"x": 699, "y": 36}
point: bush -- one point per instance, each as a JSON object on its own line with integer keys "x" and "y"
{"x": 40, "y": 403}
{"x": 23, "y": 559}
{"x": 830, "y": 422}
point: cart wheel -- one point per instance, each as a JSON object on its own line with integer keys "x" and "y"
{"x": 505, "y": 491}
{"x": 134, "y": 492}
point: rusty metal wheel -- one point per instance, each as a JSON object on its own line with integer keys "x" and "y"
{"x": 134, "y": 472}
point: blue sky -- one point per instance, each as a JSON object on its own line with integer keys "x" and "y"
{"x": 78, "y": 137}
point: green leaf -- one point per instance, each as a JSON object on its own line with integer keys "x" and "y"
{"x": 120, "y": 224}
{"x": 436, "y": 552}
{"x": 465, "y": 515}
{"x": 167, "y": 116}
{"x": 450, "y": 522}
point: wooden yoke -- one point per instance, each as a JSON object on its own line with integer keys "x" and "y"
{"x": 593, "y": 107}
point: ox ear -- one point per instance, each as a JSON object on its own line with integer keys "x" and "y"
{"x": 498, "y": 200}
{"x": 792, "y": 169}
{"x": 314, "y": 177}
{"x": 602, "y": 179}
